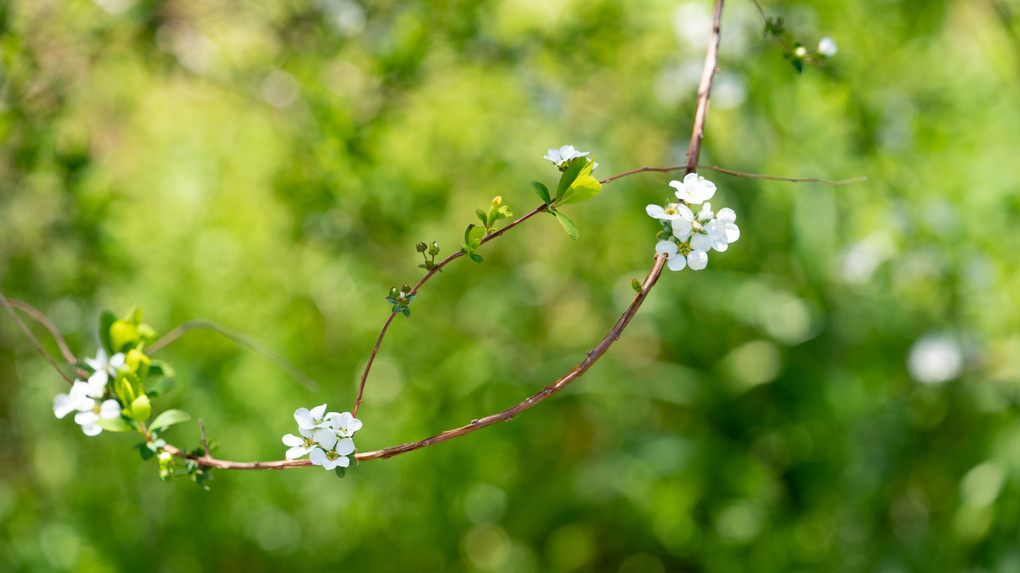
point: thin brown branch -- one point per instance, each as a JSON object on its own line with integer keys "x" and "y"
{"x": 574, "y": 374}
{"x": 205, "y": 442}
{"x": 42, "y": 319}
{"x": 432, "y": 272}
{"x": 705, "y": 90}
{"x": 35, "y": 341}
{"x": 239, "y": 338}
{"x": 736, "y": 174}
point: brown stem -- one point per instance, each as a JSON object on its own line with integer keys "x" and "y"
{"x": 35, "y": 341}
{"x": 705, "y": 90}
{"x": 48, "y": 325}
{"x": 736, "y": 174}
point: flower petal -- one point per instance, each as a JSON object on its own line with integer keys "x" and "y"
{"x": 62, "y": 405}
{"x": 295, "y": 452}
{"x": 109, "y": 410}
{"x": 667, "y": 248}
{"x": 293, "y": 441}
{"x": 318, "y": 456}
{"x": 91, "y": 429}
{"x": 697, "y": 260}
{"x": 345, "y": 446}
{"x": 318, "y": 411}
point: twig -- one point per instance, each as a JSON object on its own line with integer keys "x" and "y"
{"x": 705, "y": 90}
{"x": 205, "y": 443}
{"x": 35, "y": 341}
{"x": 239, "y": 338}
{"x": 736, "y": 174}
{"x": 48, "y": 325}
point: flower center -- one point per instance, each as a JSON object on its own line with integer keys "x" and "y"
{"x": 684, "y": 249}
{"x": 332, "y": 455}
{"x": 308, "y": 443}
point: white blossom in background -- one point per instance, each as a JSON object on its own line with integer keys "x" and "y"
{"x": 325, "y": 437}
{"x": 677, "y": 260}
{"x": 827, "y": 47}
{"x": 723, "y": 230}
{"x": 83, "y": 399}
{"x": 104, "y": 368}
{"x": 694, "y": 189}
{"x": 563, "y": 155}
{"x": 935, "y": 359}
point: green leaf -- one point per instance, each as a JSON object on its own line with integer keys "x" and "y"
{"x": 583, "y": 188}
{"x": 141, "y": 409}
{"x": 160, "y": 368}
{"x": 634, "y": 284}
{"x": 169, "y": 418}
{"x": 476, "y": 257}
{"x": 160, "y": 387}
{"x": 118, "y": 424}
{"x": 568, "y": 225}
{"x": 475, "y": 236}
{"x": 122, "y": 388}
{"x": 340, "y": 472}
{"x": 406, "y": 311}
{"x": 542, "y": 190}
{"x": 575, "y": 169}
{"x": 106, "y": 320}
{"x": 482, "y": 216}
{"x": 144, "y": 449}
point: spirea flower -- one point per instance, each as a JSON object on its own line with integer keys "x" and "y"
{"x": 563, "y": 155}
{"x": 84, "y": 399}
{"x": 325, "y": 437}
{"x": 694, "y": 189}
{"x": 687, "y": 237}
{"x": 827, "y": 47}
{"x": 103, "y": 368}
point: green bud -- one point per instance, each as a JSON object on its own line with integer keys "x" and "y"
{"x": 123, "y": 334}
{"x": 421, "y": 247}
{"x": 434, "y": 248}
{"x": 138, "y": 362}
{"x": 394, "y": 293}
{"x": 405, "y": 290}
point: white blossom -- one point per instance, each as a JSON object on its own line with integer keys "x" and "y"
{"x": 827, "y": 47}
{"x": 108, "y": 410}
{"x": 670, "y": 213}
{"x": 324, "y": 437}
{"x": 563, "y": 155}
{"x": 682, "y": 256}
{"x": 694, "y": 189}
{"x": 103, "y": 368}
{"x": 723, "y": 229}
{"x": 84, "y": 399}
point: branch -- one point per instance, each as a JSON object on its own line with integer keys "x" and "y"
{"x": 736, "y": 174}
{"x": 35, "y": 341}
{"x": 239, "y": 338}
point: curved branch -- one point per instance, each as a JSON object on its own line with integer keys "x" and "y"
{"x": 239, "y": 338}
{"x": 35, "y": 341}
{"x": 736, "y": 174}
{"x": 48, "y": 325}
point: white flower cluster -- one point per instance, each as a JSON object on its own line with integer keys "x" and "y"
{"x": 325, "y": 437}
{"x": 692, "y": 234}
{"x": 84, "y": 397}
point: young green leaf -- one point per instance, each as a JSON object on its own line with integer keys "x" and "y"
{"x": 169, "y": 418}
{"x": 160, "y": 368}
{"x": 482, "y": 216}
{"x": 567, "y": 224}
{"x": 542, "y": 190}
{"x": 106, "y": 320}
{"x": 577, "y": 167}
{"x": 476, "y": 257}
{"x": 583, "y": 188}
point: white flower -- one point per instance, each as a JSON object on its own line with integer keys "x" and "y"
{"x": 333, "y": 457}
{"x": 344, "y": 424}
{"x": 827, "y": 47}
{"x": 325, "y": 437}
{"x": 677, "y": 259}
{"x": 564, "y": 155}
{"x": 103, "y": 368}
{"x": 108, "y": 410}
{"x": 694, "y": 189}
{"x": 670, "y": 213}
{"x": 723, "y": 229}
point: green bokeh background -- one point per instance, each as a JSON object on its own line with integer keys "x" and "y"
{"x": 270, "y": 166}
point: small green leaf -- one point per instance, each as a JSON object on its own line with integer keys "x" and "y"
{"x": 160, "y": 387}
{"x": 476, "y": 257}
{"x": 482, "y": 216}
{"x": 542, "y": 190}
{"x": 568, "y": 225}
{"x": 406, "y": 311}
{"x": 141, "y": 409}
{"x": 634, "y": 284}
{"x": 122, "y": 388}
{"x": 340, "y": 472}
{"x": 118, "y": 424}
{"x": 574, "y": 169}
{"x": 583, "y": 188}
{"x": 475, "y": 236}
{"x": 106, "y": 320}
{"x": 144, "y": 449}
{"x": 798, "y": 65}
{"x": 169, "y": 418}
{"x": 160, "y": 368}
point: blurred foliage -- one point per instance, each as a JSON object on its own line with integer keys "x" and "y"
{"x": 271, "y": 166}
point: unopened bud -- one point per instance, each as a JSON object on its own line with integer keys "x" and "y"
{"x": 394, "y": 292}
{"x": 421, "y": 247}
{"x": 434, "y": 248}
